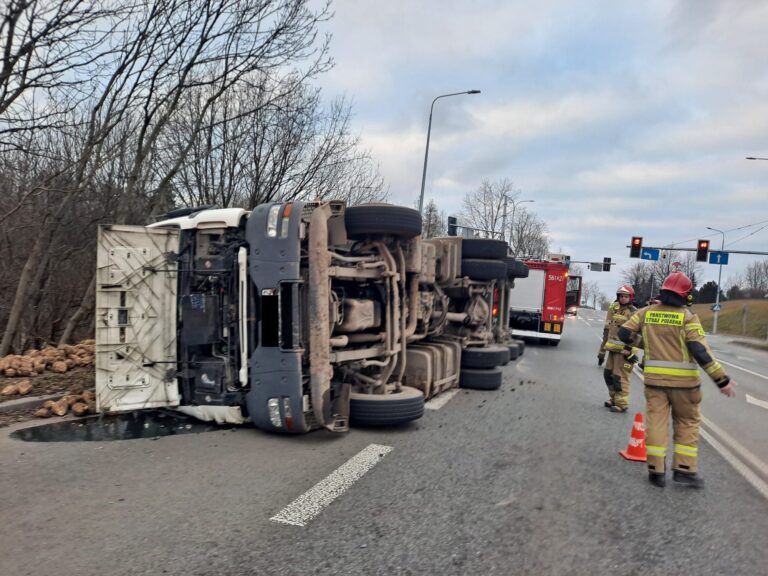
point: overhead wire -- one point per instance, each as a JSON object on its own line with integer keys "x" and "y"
{"x": 765, "y": 222}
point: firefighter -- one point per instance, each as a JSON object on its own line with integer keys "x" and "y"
{"x": 618, "y": 369}
{"x": 673, "y": 339}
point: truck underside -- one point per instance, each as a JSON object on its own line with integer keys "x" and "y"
{"x": 295, "y": 316}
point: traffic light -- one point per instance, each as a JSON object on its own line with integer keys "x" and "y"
{"x": 451, "y": 225}
{"x": 702, "y": 251}
{"x": 606, "y": 264}
{"x": 637, "y": 245}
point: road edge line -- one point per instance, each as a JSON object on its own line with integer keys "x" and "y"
{"x": 756, "y": 401}
{"x": 746, "y": 456}
{"x": 740, "y": 467}
{"x": 744, "y": 369}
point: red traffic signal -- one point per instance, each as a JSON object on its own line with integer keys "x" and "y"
{"x": 636, "y": 246}
{"x": 702, "y": 251}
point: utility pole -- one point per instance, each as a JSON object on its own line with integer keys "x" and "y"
{"x": 719, "y": 278}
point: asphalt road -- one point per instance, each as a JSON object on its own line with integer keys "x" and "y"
{"x": 524, "y": 480}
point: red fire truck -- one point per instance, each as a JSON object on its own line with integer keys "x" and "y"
{"x": 539, "y": 302}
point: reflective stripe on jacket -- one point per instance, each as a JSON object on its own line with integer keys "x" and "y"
{"x": 617, "y": 315}
{"x": 667, "y": 331}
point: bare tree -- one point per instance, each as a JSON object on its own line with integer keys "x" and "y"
{"x": 603, "y": 301}
{"x": 48, "y": 52}
{"x": 529, "y": 235}
{"x": 287, "y": 147}
{"x": 755, "y": 280}
{"x": 491, "y": 210}
{"x": 675, "y": 260}
{"x": 433, "y": 220}
{"x": 166, "y": 51}
{"x": 485, "y": 209}
{"x": 641, "y": 276}
{"x": 646, "y": 277}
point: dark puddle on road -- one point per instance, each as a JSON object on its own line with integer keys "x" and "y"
{"x": 130, "y": 426}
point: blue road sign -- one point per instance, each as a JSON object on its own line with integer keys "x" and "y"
{"x": 715, "y": 307}
{"x": 649, "y": 254}
{"x": 718, "y": 257}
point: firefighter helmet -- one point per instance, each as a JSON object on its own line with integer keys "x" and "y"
{"x": 626, "y": 289}
{"x": 678, "y": 283}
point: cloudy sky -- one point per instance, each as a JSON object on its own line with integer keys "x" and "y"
{"x": 617, "y": 118}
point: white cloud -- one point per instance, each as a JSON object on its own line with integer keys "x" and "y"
{"x": 617, "y": 118}
{"x": 634, "y": 175}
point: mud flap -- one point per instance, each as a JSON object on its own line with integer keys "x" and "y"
{"x": 336, "y": 407}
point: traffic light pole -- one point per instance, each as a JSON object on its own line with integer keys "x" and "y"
{"x": 716, "y": 311}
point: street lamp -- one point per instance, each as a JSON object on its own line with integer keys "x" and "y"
{"x": 719, "y": 276}
{"x": 429, "y": 131}
{"x": 512, "y": 223}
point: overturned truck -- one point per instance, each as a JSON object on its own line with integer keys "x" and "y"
{"x": 297, "y": 316}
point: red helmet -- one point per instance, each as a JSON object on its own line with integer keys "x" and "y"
{"x": 678, "y": 283}
{"x": 626, "y": 289}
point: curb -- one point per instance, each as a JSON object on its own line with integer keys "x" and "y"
{"x": 26, "y": 403}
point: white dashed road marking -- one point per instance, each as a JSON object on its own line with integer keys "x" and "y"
{"x": 440, "y": 401}
{"x": 757, "y": 402}
{"x": 312, "y": 502}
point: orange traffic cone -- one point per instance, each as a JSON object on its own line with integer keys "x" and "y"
{"x": 636, "y": 448}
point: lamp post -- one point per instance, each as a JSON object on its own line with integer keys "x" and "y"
{"x": 512, "y": 223}
{"x": 429, "y": 131}
{"x": 719, "y": 276}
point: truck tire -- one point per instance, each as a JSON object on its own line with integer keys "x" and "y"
{"x": 386, "y": 409}
{"x": 483, "y": 248}
{"x": 516, "y": 269}
{"x": 480, "y": 378}
{"x": 483, "y": 269}
{"x": 371, "y": 219}
{"x": 514, "y": 351}
{"x": 488, "y": 357}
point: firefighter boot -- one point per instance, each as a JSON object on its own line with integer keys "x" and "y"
{"x": 657, "y": 479}
{"x": 688, "y": 479}
{"x": 607, "y": 376}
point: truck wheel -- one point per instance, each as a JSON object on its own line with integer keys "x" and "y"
{"x": 480, "y": 379}
{"x": 483, "y": 248}
{"x": 371, "y": 219}
{"x": 483, "y": 269}
{"x": 516, "y": 269}
{"x": 488, "y": 357}
{"x": 386, "y": 409}
{"x": 514, "y": 351}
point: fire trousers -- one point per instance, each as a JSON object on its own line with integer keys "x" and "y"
{"x": 617, "y": 374}
{"x": 684, "y": 405}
